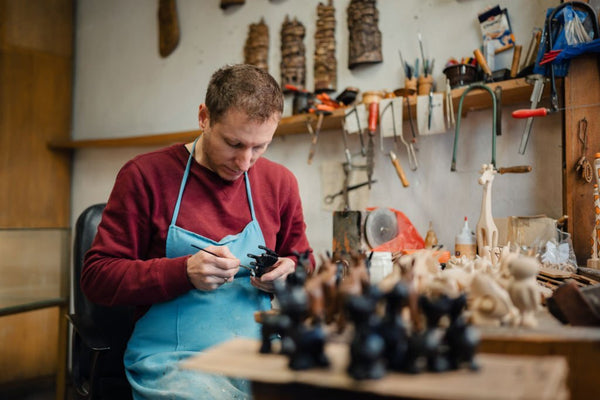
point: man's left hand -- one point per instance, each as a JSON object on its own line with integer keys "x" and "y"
{"x": 278, "y": 272}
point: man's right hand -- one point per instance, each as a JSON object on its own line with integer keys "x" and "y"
{"x": 208, "y": 272}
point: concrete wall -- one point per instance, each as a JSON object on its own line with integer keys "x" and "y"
{"x": 124, "y": 88}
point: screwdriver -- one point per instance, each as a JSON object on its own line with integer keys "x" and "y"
{"x": 218, "y": 256}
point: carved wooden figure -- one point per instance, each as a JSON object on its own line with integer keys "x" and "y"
{"x": 487, "y": 232}
{"x": 293, "y": 59}
{"x": 523, "y": 288}
{"x": 325, "y": 63}
{"x": 490, "y": 303}
{"x": 256, "y": 50}
{"x": 365, "y": 36}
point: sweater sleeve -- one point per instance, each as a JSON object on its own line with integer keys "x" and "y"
{"x": 121, "y": 268}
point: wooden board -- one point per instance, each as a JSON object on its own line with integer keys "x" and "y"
{"x": 508, "y": 377}
{"x": 582, "y": 86}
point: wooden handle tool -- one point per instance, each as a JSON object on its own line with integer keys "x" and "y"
{"x": 399, "y": 170}
{"x": 517, "y": 169}
{"x": 482, "y": 62}
{"x": 514, "y": 68}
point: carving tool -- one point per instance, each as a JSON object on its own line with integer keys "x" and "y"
{"x": 410, "y": 149}
{"x": 371, "y": 100}
{"x": 252, "y": 272}
{"x": 422, "y": 54}
{"x": 536, "y": 95}
{"x": 315, "y": 134}
{"x": 399, "y": 170}
{"x": 514, "y": 68}
{"x": 483, "y": 64}
{"x": 330, "y": 197}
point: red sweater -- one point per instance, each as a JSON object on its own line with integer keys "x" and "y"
{"x": 127, "y": 265}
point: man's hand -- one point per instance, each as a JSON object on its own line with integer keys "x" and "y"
{"x": 208, "y": 272}
{"x": 278, "y": 272}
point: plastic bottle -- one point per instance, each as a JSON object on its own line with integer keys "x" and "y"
{"x": 465, "y": 243}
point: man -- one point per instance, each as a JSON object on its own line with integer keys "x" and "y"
{"x": 217, "y": 194}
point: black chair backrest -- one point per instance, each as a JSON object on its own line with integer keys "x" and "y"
{"x": 115, "y": 324}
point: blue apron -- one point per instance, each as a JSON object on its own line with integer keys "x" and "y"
{"x": 174, "y": 330}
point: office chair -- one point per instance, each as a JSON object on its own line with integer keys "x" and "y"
{"x": 100, "y": 334}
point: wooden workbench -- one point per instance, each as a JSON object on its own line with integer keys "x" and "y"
{"x": 579, "y": 345}
{"x": 500, "y": 376}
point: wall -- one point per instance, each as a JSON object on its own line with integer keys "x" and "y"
{"x": 124, "y": 88}
{"x": 36, "y": 57}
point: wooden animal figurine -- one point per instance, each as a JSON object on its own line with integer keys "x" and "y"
{"x": 487, "y": 232}
{"x": 489, "y": 303}
{"x": 523, "y": 289}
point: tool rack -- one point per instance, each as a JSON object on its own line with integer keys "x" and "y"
{"x": 514, "y": 91}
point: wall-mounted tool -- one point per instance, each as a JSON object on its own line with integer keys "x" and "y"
{"x": 514, "y": 68}
{"x": 331, "y": 197}
{"x": 393, "y": 105}
{"x": 538, "y": 82}
{"x": 315, "y": 134}
{"x": 371, "y": 100}
{"x": 494, "y": 114}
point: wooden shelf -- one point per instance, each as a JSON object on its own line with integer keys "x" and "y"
{"x": 514, "y": 91}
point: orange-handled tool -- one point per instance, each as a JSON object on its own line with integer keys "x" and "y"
{"x": 542, "y": 112}
{"x": 536, "y": 112}
{"x": 399, "y": 169}
{"x": 373, "y": 116}
{"x": 483, "y": 63}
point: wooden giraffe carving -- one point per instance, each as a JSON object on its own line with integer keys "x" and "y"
{"x": 487, "y": 232}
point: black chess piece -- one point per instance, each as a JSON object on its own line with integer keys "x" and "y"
{"x": 263, "y": 261}
{"x": 367, "y": 346}
{"x": 273, "y": 326}
{"x": 393, "y": 329}
{"x": 304, "y": 345}
{"x": 434, "y": 309}
{"x": 462, "y": 339}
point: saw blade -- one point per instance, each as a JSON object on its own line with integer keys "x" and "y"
{"x": 381, "y": 226}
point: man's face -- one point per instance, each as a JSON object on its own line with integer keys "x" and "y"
{"x": 231, "y": 146}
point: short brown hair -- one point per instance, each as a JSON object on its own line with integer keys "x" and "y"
{"x": 246, "y": 88}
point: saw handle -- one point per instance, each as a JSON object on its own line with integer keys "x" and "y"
{"x": 526, "y": 113}
{"x": 517, "y": 169}
{"x": 399, "y": 169}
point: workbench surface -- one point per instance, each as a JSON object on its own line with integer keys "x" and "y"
{"x": 500, "y": 376}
